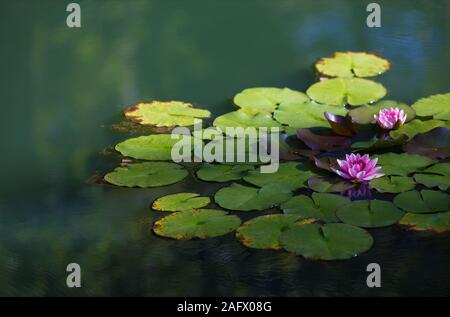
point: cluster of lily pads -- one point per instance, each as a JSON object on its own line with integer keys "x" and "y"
{"x": 341, "y": 145}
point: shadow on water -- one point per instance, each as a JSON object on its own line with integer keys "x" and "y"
{"x": 62, "y": 89}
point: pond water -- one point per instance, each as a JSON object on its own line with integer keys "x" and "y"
{"x": 62, "y": 89}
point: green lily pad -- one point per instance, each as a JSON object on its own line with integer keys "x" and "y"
{"x": 364, "y": 114}
{"x": 201, "y": 224}
{"x": 328, "y": 184}
{"x": 436, "y": 176}
{"x": 156, "y": 147}
{"x": 339, "y": 91}
{"x": 402, "y": 164}
{"x": 266, "y": 99}
{"x": 412, "y": 128}
{"x": 180, "y": 202}
{"x": 223, "y": 173}
{"x": 245, "y": 198}
{"x": 225, "y": 151}
{"x": 291, "y": 175}
{"x": 244, "y": 119}
{"x": 438, "y": 222}
{"x": 331, "y": 241}
{"x": 392, "y": 184}
{"x": 306, "y": 115}
{"x": 349, "y": 64}
{"x": 165, "y": 113}
{"x": 150, "y": 174}
{"x": 370, "y": 213}
{"x": 425, "y": 201}
{"x": 264, "y": 232}
{"x": 321, "y": 206}
{"x": 436, "y": 106}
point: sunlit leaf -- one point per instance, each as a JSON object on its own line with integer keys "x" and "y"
{"x": 331, "y": 241}
{"x": 245, "y": 119}
{"x": 370, "y": 213}
{"x": 425, "y": 201}
{"x": 436, "y": 106}
{"x": 438, "y": 222}
{"x": 364, "y": 114}
{"x": 411, "y": 129}
{"x": 180, "y": 202}
{"x": 201, "y": 224}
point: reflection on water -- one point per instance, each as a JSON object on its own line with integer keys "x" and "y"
{"x": 63, "y": 88}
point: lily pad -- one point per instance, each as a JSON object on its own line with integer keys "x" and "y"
{"x": 234, "y": 150}
{"x": 223, "y": 173}
{"x": 264, "y": 232}
{"x": 436, "y": 106}
{"x": 340, "y": 125}
{"x": 392, "y": 184}
{"x": 245, "y": 198}
{"x": 266, "y": 99}
{"x": 321, "y": 206}
{"x": 434, "y": 144}
{"x": 438, "y": 222}
{"x": 291, "y": 175}
{"x": 323, "y": 142}
{"x": 411, "y": 129}
{"x": 331, "y": 241}
{"x": 150, "y": 174}
{"x": 328, "y": 184}
{"x": 402, "y": 164}
{"x": 245, "y": 119}
{"x": 436, "y": 176}
{"x": 306, "y": 115}
{"x": 180, "y": 202}
{"x": 165, "y": 113}
{"x": 370, "y": 213}
{"x": 425, "y": 201}
{"x": 201, "y": 224}
{"x": 364, "y": 114}
{"x": 349, "y": 64}
{"x": 156, "y": 147}
{"x": 339, "y": 91}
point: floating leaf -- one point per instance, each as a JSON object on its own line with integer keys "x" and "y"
{"x": 377, "y": 143}
{"x": 234, "y": 150}
{"x": 438, "y": 222}
{"x": 331, "y": 241}
{"x": 349, "y": 64}
{"x": 402, "y": 164}
{"x": 266, "y": 99}
{"x": 222, "y": 173}
{"x": 150, "y": 174}
{"x": 434, "y": 144}
{"x": 180, "y": 202}
{"x": 370, "y": 213}
{"x": 264, "y": 232}
{"x": 430, "y": 180}
{"x": 323, "y": 142}
{"x": 291, "y": 175}
{"x": 305, "y": 115}
{"x": 436, "y": 106}
{"x": 202, "y": 224}
{"x": 364, "y": 114}
{"x": 157, "y": 147}
{"x": 245, "y": 198}
{"x": 411, "y": 129}
{"x": 244, "y": 119}
{"x": 339, "y": 91}
{"x": 425, "y": 201}
{"x": 165, "y": 113}
{"x": 392, "y": 184}
{"x": 328, "y": 184}
{"x": 320, "y": 206}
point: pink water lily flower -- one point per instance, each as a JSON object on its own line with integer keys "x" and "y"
{"x": 389, "y": 118}
{"x": 357, "y": 168}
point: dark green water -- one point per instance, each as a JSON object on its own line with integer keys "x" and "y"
{"x": 62, "y": 89}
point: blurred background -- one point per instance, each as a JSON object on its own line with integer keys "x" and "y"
{"x": 63, "y": 88}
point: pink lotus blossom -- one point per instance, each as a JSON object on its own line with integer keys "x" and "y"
{"x": 389, "y": 118}
{"x": 358, "y": 168}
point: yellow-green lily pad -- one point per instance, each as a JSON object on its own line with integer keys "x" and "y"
{"x": 364, "y": 114}
{"x": 150, "y": 174}
{"x": 180, "y": 202}
{"x": 436, "y": 106}
{"x": 245, "y": 119}
{"x": 201, "y": 224}
{"x": 414, "y": 127}
{"x": 370, "y": 213}
{"x": 165, "y": 113}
